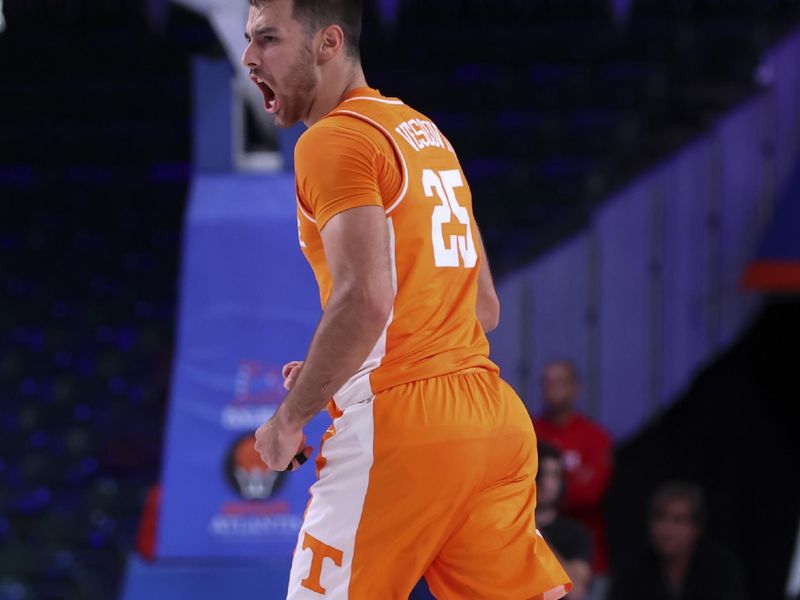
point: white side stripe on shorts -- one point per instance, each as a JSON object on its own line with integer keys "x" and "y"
{"x": 337, "y": 501}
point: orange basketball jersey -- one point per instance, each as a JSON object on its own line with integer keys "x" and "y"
{"x": 373, "y": 150}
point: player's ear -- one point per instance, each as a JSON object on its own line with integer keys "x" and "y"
{"x": 331, "y": 42}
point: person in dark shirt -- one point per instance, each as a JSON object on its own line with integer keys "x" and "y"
{"x": 680, "y": 564}
{"x": 571, "y": 540}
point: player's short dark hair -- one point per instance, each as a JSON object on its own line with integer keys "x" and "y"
{"x": 679, "y": 490}
{"x": 317, "y": 14}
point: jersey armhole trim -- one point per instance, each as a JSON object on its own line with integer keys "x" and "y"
{"x": 398, "y": 152}
{"x": 302, "y": 210}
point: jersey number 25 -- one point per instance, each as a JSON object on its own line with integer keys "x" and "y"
{"x": 450, "y": 224}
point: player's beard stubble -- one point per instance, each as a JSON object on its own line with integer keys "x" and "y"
{"x": 296, "y": 101}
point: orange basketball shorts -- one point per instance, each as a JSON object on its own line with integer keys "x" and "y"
{"x": 433, "y": 478}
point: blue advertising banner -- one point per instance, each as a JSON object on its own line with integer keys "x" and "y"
{"x": 249, "y": 304}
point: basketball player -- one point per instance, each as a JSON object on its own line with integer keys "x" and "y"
{"x": 429, "y": 465}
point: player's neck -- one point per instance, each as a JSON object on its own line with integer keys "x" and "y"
{"x": 332, "y": 92}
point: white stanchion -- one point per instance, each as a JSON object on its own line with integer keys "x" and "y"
{"x": 228, "y": 20}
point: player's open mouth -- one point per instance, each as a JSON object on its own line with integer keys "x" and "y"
{"x": 270, "y": 98}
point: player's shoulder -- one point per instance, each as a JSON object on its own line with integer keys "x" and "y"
{"x": 337, "y": 124}
{"x": 334, "y": 133}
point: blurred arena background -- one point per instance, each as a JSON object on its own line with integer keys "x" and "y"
{"x": 635, "y": 166}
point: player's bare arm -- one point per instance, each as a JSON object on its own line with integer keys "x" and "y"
{"x": 356, "y": 245}
{"x": 488, "y": 307}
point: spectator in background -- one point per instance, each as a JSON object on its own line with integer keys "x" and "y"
{"x": 571, "y": 540}
{"x": 586, "y": 448}
{"x": 680, "y": 564}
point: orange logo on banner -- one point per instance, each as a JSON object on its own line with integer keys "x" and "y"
{"x": 319, "y": 552}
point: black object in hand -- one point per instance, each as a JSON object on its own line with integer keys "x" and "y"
{"x": 300, "y": 458}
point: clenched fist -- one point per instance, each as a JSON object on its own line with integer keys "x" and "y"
{"x": 282, "y": 449}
